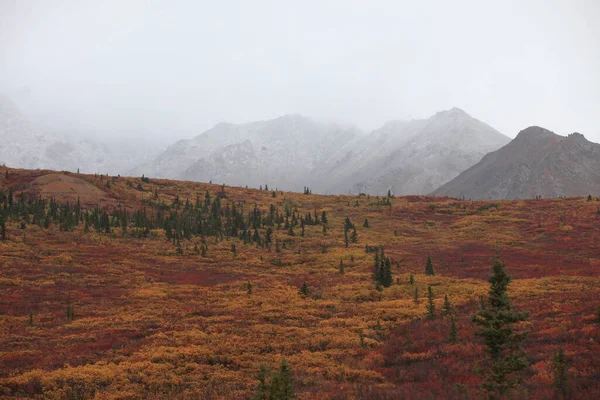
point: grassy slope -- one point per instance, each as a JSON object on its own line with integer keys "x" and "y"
{"x": 151, "y": 323}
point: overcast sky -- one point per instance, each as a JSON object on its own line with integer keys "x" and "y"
{"x": 178, "y": 67}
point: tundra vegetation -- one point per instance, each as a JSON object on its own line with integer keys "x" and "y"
{"x": 142, "y": 288}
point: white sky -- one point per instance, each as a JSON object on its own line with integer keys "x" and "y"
{"x": 175, "y": 68}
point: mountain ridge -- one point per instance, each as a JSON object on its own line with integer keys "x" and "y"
{"x": 294, "y": 151}
{"x": 537, "y": 162}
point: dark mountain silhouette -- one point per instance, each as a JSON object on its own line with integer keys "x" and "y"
{"x": 537, "y": 162}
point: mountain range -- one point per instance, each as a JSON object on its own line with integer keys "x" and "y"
{"x": 290, "y": 152}
{"x": 448, "y": 154}
{"x": 282, "y": 152}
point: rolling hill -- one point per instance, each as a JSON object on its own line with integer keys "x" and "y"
{"x": 164, "y": 289}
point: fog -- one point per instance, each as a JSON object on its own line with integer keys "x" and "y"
{"x": 167, "y": 70}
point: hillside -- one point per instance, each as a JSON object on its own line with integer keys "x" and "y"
{"x": 175, "y": 290}
{"x": 537, "y": 162}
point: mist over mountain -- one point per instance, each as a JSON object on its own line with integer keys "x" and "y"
{"x": 26, "y": 145}
{"x": 282, "y": 152}
{"x": 412, "y": 157}
{"x": 450, "y": 153}
{"x": 290, "y": 152}
{"x": 537, "y": 162}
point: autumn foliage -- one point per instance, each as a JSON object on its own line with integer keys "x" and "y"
{"x": 130, "y": 288}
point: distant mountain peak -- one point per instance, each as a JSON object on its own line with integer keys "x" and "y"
{"x": 576, "y": 136}
{"x": 453, "y": 112}
{"x": 534, "y": 131}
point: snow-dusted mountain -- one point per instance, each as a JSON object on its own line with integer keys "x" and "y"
{"x": 24, "y": 145}
{"x": 283, "y": 152}
{"x": 290, "y": 152}
{"x": 411, "y": 157}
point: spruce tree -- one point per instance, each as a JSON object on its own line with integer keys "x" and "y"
{"x": 3, "y": 231}
{"x": 304, "y": 289}
{"x": 354, "y": 237}
{"x": 366, "y": 223}
{"x": 411, "y": 279}
{"x": 416, "y": 296}
{"x": 453, "y": 337}
{"x": 430, "y": 303}
{"x": 341, "y": 269}
{"x": 429, "y": 267}
{"x": 262, "y": 392}
{"x": 447, "y": 307}
{"x": 376, "y": 267}
{"x": 282, "y": 383}
{"x": 386, "y": 279}
{"x": 496, "y": 321}
{"x": 560, "y": 368}
{"x": 324, "y": 217}
{"x": 249, "y": 287}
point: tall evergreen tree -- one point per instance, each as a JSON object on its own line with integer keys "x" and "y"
{"x": 282, "y": 383}
{"x": 411, "y": 279}
{"x": 453, "y": 337}
{"x": 3, "y": 236}
{"x": 354, "y": 237}
{"x": 262, "y": 392}
{"x": 560, "y": 368}
{"x": 382, "y": 268}
{"x": 446, "y": 307}
{"x": 341, "y": 268}
{"x": 386, "y": 279}
{"x": 430, "y": 303}
{"x": 503, "y": 343}
{"x": 429, "y": 267}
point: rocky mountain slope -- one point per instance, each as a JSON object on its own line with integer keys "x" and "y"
{"x": 536, "y": 162}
